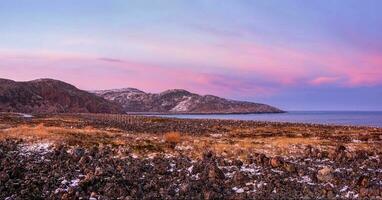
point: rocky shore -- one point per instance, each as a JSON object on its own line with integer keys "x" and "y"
{"x": 213, "y": 159}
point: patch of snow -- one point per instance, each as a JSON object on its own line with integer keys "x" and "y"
{"x": 330, "y": 184}
{"x": 65, "y": 185}
{"x": 376, "y": 157}
{"x": 172, "y": 167}
{"x": 306, "y": 179}
{"x": 252, "y": 169}
{"x": 259, "y": 185}
{"x": 343, "y": 169}
{"x": 130, "y": 90}
{"x": 74, "y": 182}
{"x": 344, "y": 188}
{"x": 303, "y": 179}
{"x": 40, "y": 148}
{"x": 195, "y": 177}
{"x": 190, "y": 169}
{"x": 240, "y": 190}
{"x": 351, "y": 194}
{"x": 183, "y": 105}
{"x": 25, "y": 115}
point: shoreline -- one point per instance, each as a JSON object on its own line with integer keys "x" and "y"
{"x": 202, "y": 113}
{"x": 217, "y": 116}
{"x": 173, "y": 116}
{"x": 253, "y": 120}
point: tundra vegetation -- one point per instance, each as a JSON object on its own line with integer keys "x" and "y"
{"x": 111, "y": 156}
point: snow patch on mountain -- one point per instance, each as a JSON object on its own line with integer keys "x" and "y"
{"x": 183, "y": 105}
{"x": 129, "y": 91}
{"x": 179, "y": 101}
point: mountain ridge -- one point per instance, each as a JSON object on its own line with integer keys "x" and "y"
{"x": 54, "y": 96}
{"x": 50, "y": 96}
{"x": 180, "y": 101}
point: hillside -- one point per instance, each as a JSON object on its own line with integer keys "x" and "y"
{"x": 50, "y": 96}
{"x": 180, "y": 101}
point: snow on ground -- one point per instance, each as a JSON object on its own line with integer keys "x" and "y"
{"x": 40, "y": 148}
{"x": 351, "y": 194}
{"x": 302, "y": 179}
{"x": 190, "y": 169}
{"x": 66, "y": 185}
{"x": 344, "y": 189}
{"x": 238, "y": 190}
{"x": 252, "y": 169}
{"x": 25, "y": 115}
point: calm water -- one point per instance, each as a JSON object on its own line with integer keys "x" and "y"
{"x": 319, "y": 117}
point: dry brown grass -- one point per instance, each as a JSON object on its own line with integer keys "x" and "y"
{"x": 172, "y": 137}
{"x": 73, "y": 136}
{"x": 235, "y": 142}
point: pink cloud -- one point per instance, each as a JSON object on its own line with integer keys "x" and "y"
{"x": 226, "y": 68}
{"x": 106, "y": 73}
{"x": 324, "y": 80}
{"x": 281, "y": 64}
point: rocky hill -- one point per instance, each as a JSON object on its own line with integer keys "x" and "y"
{"x": 50, "y": 96}
{"x": 180, "y": 101}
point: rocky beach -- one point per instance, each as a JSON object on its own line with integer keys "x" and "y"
{"x": 99, "y": 156}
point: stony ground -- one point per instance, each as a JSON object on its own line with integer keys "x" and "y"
{"x": 86, "y": 157}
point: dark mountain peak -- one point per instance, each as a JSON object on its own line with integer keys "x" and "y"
{"x": 47, "y": 82}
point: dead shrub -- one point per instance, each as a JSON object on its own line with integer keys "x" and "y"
{"x": 172, "y": 138}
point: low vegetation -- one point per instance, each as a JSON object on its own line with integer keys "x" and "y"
{"x": 142, "y": 157}
{"x": 173, "y": 138}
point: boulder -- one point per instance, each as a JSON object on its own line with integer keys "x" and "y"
{"x": 325, "y": 174}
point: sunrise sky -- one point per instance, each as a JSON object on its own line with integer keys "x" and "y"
{"x": 296, "y": 55}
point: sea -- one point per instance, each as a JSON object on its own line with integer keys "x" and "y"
{"x": 356, "y": 118}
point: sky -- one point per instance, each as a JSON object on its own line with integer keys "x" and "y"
{"x": 293, "y": 54}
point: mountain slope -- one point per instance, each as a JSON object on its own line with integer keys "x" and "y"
{"x": 180, "y": 101}
{"x": 50, "y": 96}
